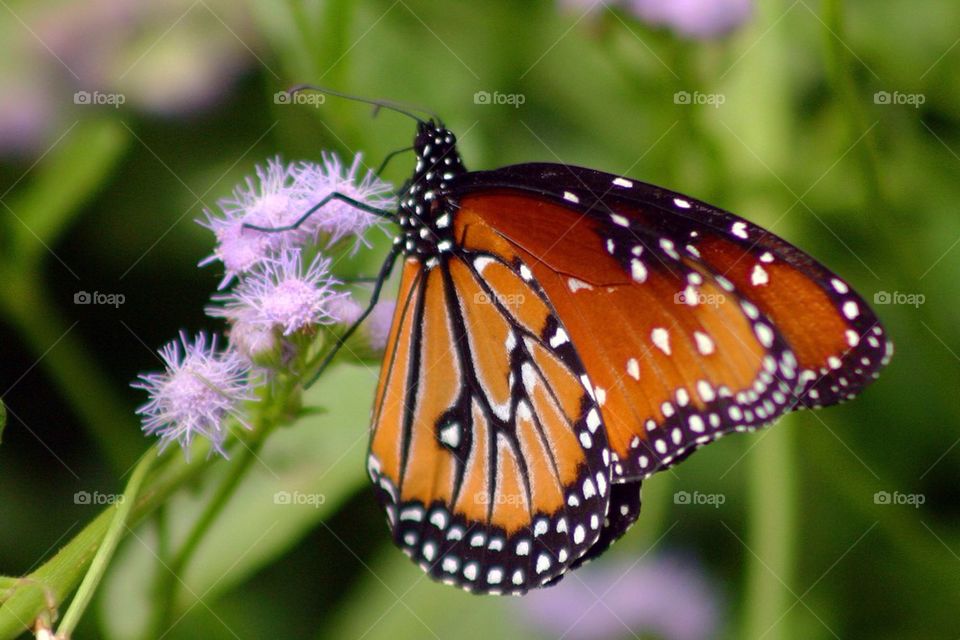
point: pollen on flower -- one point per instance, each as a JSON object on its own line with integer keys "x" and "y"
{"x": 200, "y": 389}
{"x": 337, "y": 219}
{"x": 282, "y": 293}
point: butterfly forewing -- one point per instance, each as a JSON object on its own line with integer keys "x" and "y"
{"x": 487, "y": 448}
{"x": 679, "y": 349}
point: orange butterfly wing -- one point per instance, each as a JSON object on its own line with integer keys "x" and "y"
{"x": 690, "y": 322}
{"x": 486, "y": 449}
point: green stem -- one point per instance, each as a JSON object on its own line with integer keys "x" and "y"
{"x": 167, "y": 587}
{"x": 839, "y": 64}
{"x": 48, "y": 586}
{"x": 108, "y": 546}
{"x": 770, "y": 540}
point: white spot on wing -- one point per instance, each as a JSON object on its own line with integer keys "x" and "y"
{"x": 759, "y": 276}
{"x": 704, "y": 343}
{"x": 661, "y": 339}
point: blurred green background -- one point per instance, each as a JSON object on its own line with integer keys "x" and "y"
{"x": 843, "y": 523}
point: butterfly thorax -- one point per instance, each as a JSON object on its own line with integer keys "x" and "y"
{"x": 425, "y": 213}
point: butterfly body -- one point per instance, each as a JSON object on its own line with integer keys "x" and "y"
{"x": 562, "y": 334}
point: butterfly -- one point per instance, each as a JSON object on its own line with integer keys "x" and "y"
{"x": 560, "y": 335}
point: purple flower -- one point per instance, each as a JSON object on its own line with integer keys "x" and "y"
{"x": 667, "y": 597}
{"x": 379, "y": 322}
{"x": 199, "y": 390}
{"x": 281, "y": 294}
{"x": 257, "y": 342}
{"x": 338, "y": 219}
{"x": 269, "y": 201}
{"x": 345, "y": 310}
{"x": 696, "y": 19}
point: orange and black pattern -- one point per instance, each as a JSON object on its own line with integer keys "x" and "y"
{"x": 486, "y": 448}
{"x": 562, "y": 334}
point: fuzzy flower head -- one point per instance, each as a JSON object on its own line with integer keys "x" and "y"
{"x": 283, "y": 294}
{"x": 270, "y": 201}
{"x": 379, "y": 323}
{"x": 338, "y": 219}
{"x": 200, "y": 389}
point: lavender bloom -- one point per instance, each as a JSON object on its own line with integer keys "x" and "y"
{"x": 269, "y": 202}
{"x": 345, "y": 310}
{"x": 379, "y": 323}
{"x": 337, "y": 219}
{"x": 255, "y": 341}
{"x": 281, "y": 294}
{"x": 199, "y": 390}
{"x": 667, "y": 597}
{"x": 695, "y": 19}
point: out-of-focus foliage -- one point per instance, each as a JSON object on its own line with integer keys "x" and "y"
{"x": 836, "y": 125}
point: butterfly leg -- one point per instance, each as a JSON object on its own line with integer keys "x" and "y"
{"x": 382, "y": 277}
{"x": 391, "y": 156}
{"x": 336, "y": 195}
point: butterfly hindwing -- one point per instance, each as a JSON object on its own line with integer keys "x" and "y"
{"x": 487, "y": 449}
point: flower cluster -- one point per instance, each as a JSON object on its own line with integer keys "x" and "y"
{"x": 270, "y": 237}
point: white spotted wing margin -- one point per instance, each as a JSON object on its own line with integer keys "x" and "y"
{"x": 466, "y": 489}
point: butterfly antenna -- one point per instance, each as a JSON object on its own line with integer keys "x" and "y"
{"x": 377, "y": 104}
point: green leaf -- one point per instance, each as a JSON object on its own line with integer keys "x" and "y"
{"x": 318, "y": 461}
{"x": 63, "y": 181}
{"x": 3, "y": 419}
